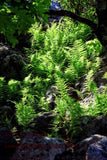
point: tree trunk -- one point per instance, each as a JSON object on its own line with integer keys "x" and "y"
{"x": 101, "y": 7}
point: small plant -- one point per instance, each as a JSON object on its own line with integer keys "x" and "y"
{"x": 77, "y": 61}
{"x": 99, "y": 106}
{"x": 94, "y": 48}
{"x": 14, "y": 90}
{"x": 2, "y": 88}
{"x": 89, "y": 83}
{"x": 69, "y": 111}
{"x": 9, "y": 91}
{"x": 24, "y": 110}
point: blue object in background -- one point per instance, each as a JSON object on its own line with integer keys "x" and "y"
{"x": 55, "y": 6}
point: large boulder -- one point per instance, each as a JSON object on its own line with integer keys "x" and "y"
{"x": 91, "y": 148}
{"x": 35, "y": 146}
{"x": 84, "y": 145}
{"x": 97, "y": 150}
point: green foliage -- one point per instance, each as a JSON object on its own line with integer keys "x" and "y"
{"x": 9, "y": 91}
{"x": 56, "y": 36}
{"x": 99, "y": 106}
{"x": 64, "y": 102}
{"x": 105, "y": 75}
{"x": 56, "y": 52}
{"x": 101, "y": 102}
{"x": 32, "y": 100}
{"x": 94, "y": 48}
{"x": 77, "y": 61}
{"x": 60, "y": 55}
{"x": 89, "y": 83}
{"x": 25, "y": 112}
{"x": 2, "y": 86}
{"x": 83, "y": 8}
{"x": 14, "y": 89}
{"x": 17, "y": 16}
{"x": 4, "y": 120}
{"x": 69, "y": 111}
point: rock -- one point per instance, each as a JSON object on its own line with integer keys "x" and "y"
{"x": 80, "y": 84}
{"x": 98, "y": 77}
{"x": 11, "y": 63}
{"x": 72, "y": 92}
{"x": 50, "y": 96}
{"x": 99, "y": 80}
{"x": 85, "y": 148}
{"x": 52, "y": 92}
{"x": 101, "y": 89}
{"x": 43, "y": 122}
{"x": 91, "y": 148}
{"x": 35, "y": 147}
{"x": 8, "y": 144}
{"x": 97, "y": 150}
{"x": 3, "y": 48}
{"x": 90, "y": 99}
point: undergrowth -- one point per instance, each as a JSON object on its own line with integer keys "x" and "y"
{"x": 60, "y": 56}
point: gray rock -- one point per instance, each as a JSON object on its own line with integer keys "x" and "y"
{"x": 38, "y": 147}
{"x": 11, "y": 63}
{"x": 80, "y": 84}
{"x": 98, "y": 151}
{"x": 91, "y": 148}
{"x": 50, "y": 96}
{"x": 3, "y": 48}
{"x": 102, "y": 89}
{"x": 87, "y": 149}
{"x": 88, "y": 100}
{"x": 84, "y": 144}
{"x": 98, "y": 77}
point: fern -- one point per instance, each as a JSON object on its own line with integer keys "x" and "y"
{"x": 89, "y": 83}
{"x": 66, "y": 107}
{"x": 99, "y": 106}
